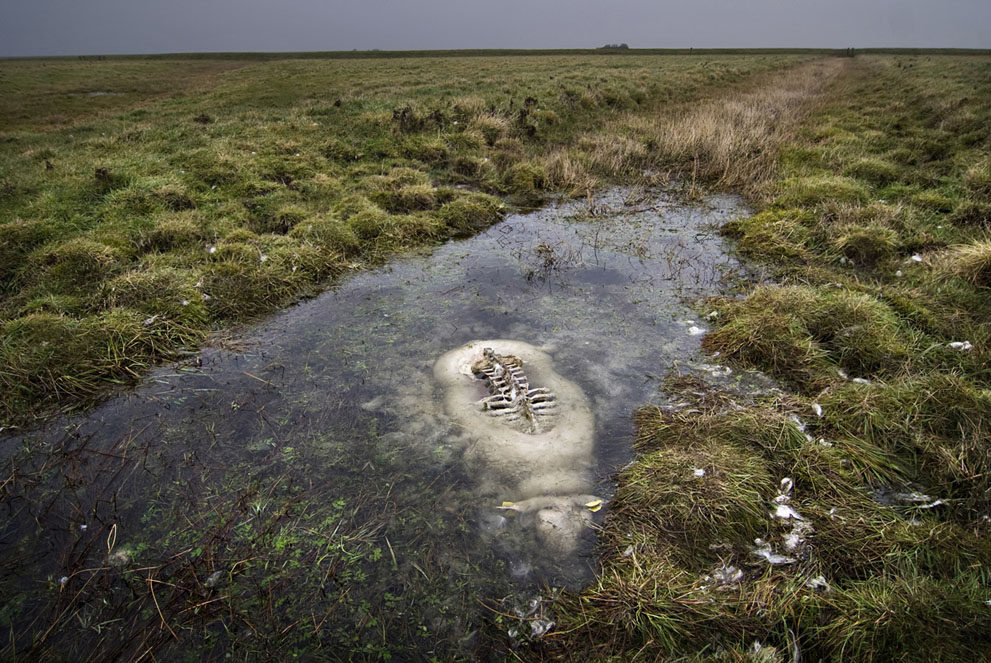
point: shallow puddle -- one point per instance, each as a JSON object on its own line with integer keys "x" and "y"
{"x": 303, "y": 486}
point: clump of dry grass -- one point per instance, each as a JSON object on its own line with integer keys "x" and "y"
{"x": 569, "y": 172}
{"x": 866, "y": 245}
{"x": 734, "y": 141}
{"x": 614, "y": 155}
{"x": 971, "y": 262}
{"x": 492, "y": 127}
{"x": 730, "y": 140}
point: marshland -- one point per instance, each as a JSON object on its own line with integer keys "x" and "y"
{"x": 225, "y": 282}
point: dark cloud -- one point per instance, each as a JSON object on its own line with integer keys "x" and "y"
{"x": 69, "y": 27}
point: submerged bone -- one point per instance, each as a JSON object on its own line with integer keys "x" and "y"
{"x": 531, "y": 431}
{"x": 512, "y": 398}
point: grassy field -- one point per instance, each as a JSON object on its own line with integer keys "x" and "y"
{"x": 190, "y": 195}
{"x": 867, "y": 485}
{"x": 145, "y": 203}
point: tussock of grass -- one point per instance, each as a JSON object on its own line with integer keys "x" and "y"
{"x": 525, "y": 179}
{"x": 812, "y": 191}
{"x": 60, "y": 356}
{"x": 866, "y": 245}
{"x": 238, "y": 284}
{"x": 175, "y": 230}
{"x": 933, "y": 201}
{"x": 470, "y": 213}
{"x": 971, "y": 213}
{"x": 802, "y": 336}
{"x": 908, "y": 616}
{"x": 368, "y": 224}
{"x": 935, "y": 425}
{"x": 683, "y": 513}
{"x": 873, "y": 170}
{"x": 491, "y": 127}
{"x": 75, "y": 264}
{"x": 17, "y": 239}
{"x": 773, "y": 339}
{"x": 334, "y": 236}
{"x": 778, "y": 235}
{"x": 409, "y": 198}
{"x": 166, "y": 292}
{"x": 971, "y": 262}
{"x": 977, "y": 179}
{"x": 569, "y": 173}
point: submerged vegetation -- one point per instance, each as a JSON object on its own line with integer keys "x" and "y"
{"x": 846, "y": 518}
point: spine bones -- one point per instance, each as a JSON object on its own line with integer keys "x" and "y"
{"x": 511, "y": 396}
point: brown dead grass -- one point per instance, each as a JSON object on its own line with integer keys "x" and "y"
{"x": 734, "y": 141}
{"x": 730, "y": 141}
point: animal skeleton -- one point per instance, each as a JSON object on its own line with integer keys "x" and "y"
{"x": 538, "y": 462}
{"x": 511, "y": 395}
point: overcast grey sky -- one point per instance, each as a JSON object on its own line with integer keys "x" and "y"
{"x": 72, "y": 27}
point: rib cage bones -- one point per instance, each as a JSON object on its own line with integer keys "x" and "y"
{"x": 511, "y": 397}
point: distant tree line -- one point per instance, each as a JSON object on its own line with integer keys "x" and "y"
{"x": 614, "y": 47}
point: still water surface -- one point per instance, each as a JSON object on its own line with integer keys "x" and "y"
{"x": 299, "y": 488}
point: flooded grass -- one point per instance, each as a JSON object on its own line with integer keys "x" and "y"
{"x": 300, "y": 487}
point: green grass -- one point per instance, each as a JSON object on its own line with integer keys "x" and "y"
{"x": 874, "y": 224}
{"x": 168, "y": 213}
{"x": 198, "y": 193}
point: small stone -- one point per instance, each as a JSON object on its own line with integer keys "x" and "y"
{"x": 214, "y": 579}
{"x": 120, "y": 558}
